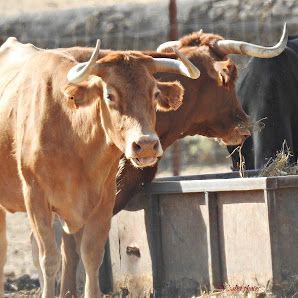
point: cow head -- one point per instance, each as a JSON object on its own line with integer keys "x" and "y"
{"x": 214, "y": 109}
{"x": 128, "y": 97}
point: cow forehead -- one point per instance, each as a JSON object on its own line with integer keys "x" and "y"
{"x": 127, "y": 58}
{"x": 140, "y": 77}
{"x": 130, "y": 65}
{"x": 129, "y": 80}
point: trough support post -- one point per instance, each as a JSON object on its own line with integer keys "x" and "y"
{"x": 155, "y": 244}
{"x": 214, "y": 264}
{"x": 270, "y": 199}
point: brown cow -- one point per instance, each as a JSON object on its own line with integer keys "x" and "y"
{"x": 64, "y": 127}
{"x": 210, "y": 108}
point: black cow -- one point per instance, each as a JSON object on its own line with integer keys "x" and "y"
{"x": 268, "y": 88}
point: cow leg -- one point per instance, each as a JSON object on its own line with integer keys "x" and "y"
{"x": 35, "y": 257}
{"x": 95, "y": 235}
{"x": 41, "y": 219}
{"x": 3, "y": 249}
{"x": 92, "y": 249}
{"x": 70, "y": 260}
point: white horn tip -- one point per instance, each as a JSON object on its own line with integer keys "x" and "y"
{"x": 285, "y": 31}
{"x": 81, "y": 71}
{"x": 98, "y": 44}
{"x": 188, "y": 68}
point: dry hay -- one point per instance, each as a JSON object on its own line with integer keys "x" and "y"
{"x": 251, "y": 126}
{"x": 280, "y": 165}
{"x": 241, "y": 166}
{"x": 277, "y": 166}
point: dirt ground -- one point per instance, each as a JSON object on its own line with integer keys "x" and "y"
{"x": 19, "y": 260}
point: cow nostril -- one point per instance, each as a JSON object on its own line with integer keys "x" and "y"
{"x": 156, "y": 146}
{"x": 146, "y": 146}
{"x": 136, "y": 147}
{"x": 243, "y": 131}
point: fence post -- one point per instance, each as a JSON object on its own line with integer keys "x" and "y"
{"x": 173, "y": 35}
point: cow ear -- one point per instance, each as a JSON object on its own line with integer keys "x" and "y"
{"x": 82, "y": 94}
{"x": 226, "y": 73}
{"x": 171, "y": 96}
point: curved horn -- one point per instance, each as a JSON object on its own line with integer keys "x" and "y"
{"x": 185, "y": 68}
{"x": 168, "y": 46}
{"x": 81, "y": 71}
{"x": 226, "y": 47}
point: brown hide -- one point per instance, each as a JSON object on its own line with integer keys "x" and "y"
{"x": 60, "y": 146}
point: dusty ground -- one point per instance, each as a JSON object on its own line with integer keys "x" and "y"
{"x": 19, "y": 261}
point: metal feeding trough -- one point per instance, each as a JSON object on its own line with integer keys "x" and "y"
{"x": 185, "y": 233}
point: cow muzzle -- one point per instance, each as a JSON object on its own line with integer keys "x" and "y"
{"x": 238, "y": 136}
{"x": 144, "y": 151}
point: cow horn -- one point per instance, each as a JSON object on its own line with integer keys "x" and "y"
{"x": 183, "y": 67}
{"x": 226, "y": 47}
{"x": 81, "y": 71}
{"x": 168, "y": 46}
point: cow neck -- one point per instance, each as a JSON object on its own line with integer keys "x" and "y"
{"x": 178, "y": 124}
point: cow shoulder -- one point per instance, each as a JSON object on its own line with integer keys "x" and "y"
{"x": 12, "y": 51}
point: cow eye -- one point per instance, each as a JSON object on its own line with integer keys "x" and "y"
{"x": 156, "y": 95}
{"x": 111, "y": 98}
